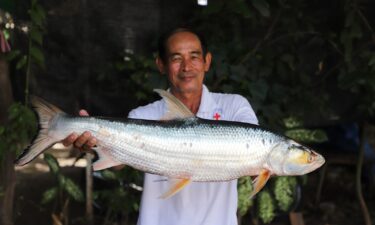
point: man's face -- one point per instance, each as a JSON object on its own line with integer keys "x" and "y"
{"x": 185, "y": 64}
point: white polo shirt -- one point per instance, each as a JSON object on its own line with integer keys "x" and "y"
{"x": 199, "y": 203}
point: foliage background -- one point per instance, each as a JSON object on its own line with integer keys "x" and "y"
{"x": 301, "y": 64}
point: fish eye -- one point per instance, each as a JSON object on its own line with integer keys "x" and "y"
{"x": 311, "y": 157}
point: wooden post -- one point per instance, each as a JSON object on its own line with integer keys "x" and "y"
{"x": 89, "y": 188}
{"x": 362, "y": 203}
{"x": 296, "y": 218}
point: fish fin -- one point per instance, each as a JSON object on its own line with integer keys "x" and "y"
{"x": 40, "y": 143}
{"x": 175, "y": 108}
{"x": 105, "y": 160}
{"x": 46, "y": 113}
{"x": 260, "y": 181}
{"x": 176, "y": 186}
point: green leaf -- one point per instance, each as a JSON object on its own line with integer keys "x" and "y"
{"x": 37, "y": 54}
{"x": 135, "y": 206}
{"x": 52, "y": 163}
{"x": 266, "y": 207}
{"x": 73, "y": 190}
{"x": 292, "y": 122}
{"x": 307, "y": 136}
{"x": 22, "y": 62}
{"x": 36, "y": 36}
{"x": 284, "y": 192}
{"x": 244, "y": 189}
{"x": 62, "y": 180}
{"x": 6, "y": 34}
{"x": 49, "y": 195}
{"x": 108, "y": 174}
{"x": 262, "y": 6}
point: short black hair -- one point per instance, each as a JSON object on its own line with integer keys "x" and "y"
{"x": 162, "y": 43}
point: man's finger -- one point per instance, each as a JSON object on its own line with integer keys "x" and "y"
{"x": 81, "y": 140}
{"x": 69, "y": 140}
{"x": 83, "y": 112}
{"x": 91, "y": 143}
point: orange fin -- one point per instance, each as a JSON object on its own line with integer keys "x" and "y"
{"x": 177, "y": 186}
{"x": 260, "y": 181}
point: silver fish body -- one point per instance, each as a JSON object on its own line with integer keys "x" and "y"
{"x": 200, "y": 149}
{"x": 191, "y": 149}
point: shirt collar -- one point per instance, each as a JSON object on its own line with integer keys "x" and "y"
{"x": 208, "y": 104}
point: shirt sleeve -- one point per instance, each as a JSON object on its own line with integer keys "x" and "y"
{"x": 244, "y": 112}
{"x": 152, "y": 111}
{"x": 133, "y": 114}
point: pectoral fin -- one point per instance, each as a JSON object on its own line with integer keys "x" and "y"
{"x": 177, "y": 186}
{"x": 105, "y": 160}
{"x": 260, "y": 181}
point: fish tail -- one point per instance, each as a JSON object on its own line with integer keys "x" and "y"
{"x": 46, "y": 113}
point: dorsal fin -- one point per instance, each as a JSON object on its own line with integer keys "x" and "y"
{"x": 175, "y": 108}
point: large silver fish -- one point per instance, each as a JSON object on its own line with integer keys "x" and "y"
{"x": 185, "y": 148}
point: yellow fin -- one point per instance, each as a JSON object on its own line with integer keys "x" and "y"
{"x": 260, "y": 181}
{"x": 176, "y": 187}
{"x": 175, "y": 108}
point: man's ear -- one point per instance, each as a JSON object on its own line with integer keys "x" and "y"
{"x": 207, "y": 61}
{"x": 160, "y": 64}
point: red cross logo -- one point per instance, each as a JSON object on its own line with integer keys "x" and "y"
{"x": 217, "y": 116}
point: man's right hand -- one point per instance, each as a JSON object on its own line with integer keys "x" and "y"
{"x": 84, "y": 142}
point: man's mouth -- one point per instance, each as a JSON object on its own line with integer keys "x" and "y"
{"x": 187, "y": 77}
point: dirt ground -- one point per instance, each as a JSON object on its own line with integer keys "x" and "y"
{"x": 338, "y": 203}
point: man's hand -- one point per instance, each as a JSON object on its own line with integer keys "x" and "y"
{"x": 84, "y": 142}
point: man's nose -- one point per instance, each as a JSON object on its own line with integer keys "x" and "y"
{"x": 186, "y": 65}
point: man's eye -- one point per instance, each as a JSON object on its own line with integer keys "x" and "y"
{"x": 195, "y": 56}
{"x": 176, "y": 59}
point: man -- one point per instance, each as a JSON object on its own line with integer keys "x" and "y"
{"x": 183, "y": 57}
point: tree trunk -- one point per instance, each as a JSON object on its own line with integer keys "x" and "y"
{"x": 7, "y": 172}
{"x": 362, "y": 203}
{"x": 6, "y": 95}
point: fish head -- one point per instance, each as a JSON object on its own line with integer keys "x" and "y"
{"x": 290, "y": 158}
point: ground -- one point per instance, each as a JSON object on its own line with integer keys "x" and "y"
{"x": 338, "y": 203}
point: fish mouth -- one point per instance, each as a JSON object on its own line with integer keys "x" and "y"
{"x": 320, "y": 160}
